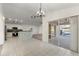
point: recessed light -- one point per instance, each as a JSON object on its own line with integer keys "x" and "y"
{"x": 3, "y": 17}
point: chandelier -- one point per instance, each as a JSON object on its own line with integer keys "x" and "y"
{"x": 39, "y": 13}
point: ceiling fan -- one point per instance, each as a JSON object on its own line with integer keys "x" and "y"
{"x": 40, "y": 13}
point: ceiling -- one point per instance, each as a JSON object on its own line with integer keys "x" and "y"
{"x": 24, "y": 11}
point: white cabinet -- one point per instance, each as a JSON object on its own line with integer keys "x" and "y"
{"x": 8, "y": 34}
{"x": 25, "y": 35}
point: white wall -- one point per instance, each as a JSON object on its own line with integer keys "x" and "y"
{"x": 74, "y": 33}
{"x": 62, "y": 13}
{"x": 2, "y": 24}
{"x": 45, "y": 30}
{"x": 35, "y": 29}
{"x": 55, "y": 16}
{"x": 40, "y": 29}
{"x": 78, "y": 34}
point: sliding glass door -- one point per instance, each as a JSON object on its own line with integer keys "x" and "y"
{"x": 59, "y": 33}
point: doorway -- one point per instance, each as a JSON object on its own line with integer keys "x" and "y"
{"x": 59, "y": 33}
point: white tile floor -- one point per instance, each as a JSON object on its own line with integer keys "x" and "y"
{"x": 0, "y": 48}
{"x": 62, "y": 41}
{"x": 33, "y": 47}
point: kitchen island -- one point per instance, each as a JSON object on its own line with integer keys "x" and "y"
{"x": 23, "y": 35}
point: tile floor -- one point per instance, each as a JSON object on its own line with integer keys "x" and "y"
{"x": 62, "y": 41}
{"x": 32, "y": 47}
{"x": 0, "y": 48}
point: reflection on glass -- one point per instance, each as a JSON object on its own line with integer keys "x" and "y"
{"x": 65, "y": 29}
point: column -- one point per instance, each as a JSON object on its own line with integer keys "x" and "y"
{"x": 74, "y": 33}
{"x": 2, "y": 25}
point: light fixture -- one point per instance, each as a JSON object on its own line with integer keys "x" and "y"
{"x": 12, "y": 20}
{"x": 3, "y": 17}
{"x": 39, "y": 13}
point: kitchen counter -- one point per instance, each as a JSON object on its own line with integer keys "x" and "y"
{"x": 25, "y": 35}
{"x": 21, "y": 34}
